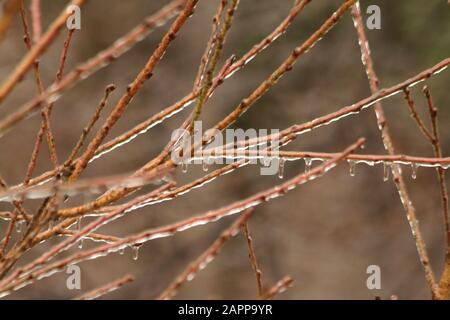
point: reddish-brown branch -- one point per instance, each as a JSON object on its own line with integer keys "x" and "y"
{"x": 133, "y": 89}
{"x": 89, "y": 127}
{"x": 208, "y": 75}
{"x": 285, "y": 66}
{"x": 49, "y": 108}
{"x": 296, "y": 155}
{"x": 205, "y": 258}
{"x": 253, "y": 261}
{"x": 444, "y": 283}
{"x": 226, "y": 73}
{"x": 412, "y": 108}
{"x": 26, "y": 273}
{"x": 388, "y": 144}
{"x": 91, "y": 184}
{"x": 110, "y": 287}
{"x": 35, "y": 9}
{"x": 67, "y": 243}
{"x": 27, "y": 62}
{"x": 209, "y": 46}
{"x": 94, "y": 64}
{"x": 280, "y": 287}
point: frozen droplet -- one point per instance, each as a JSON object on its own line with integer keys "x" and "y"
{"x": 121, "y": 251}
{"x": 396, "y": 169}
{"x": 19, "y": 226}
{"x": 386, "y": 170}
{"x": 80, "y": 244}
{"x": 184, "y": 166}
{"x": 308, "y": 162}
{"x": 190, "y": 277}
{"x": 205, "y": 164}
{"x": 281, "y": 165}
{"x": 414, "y": 168}
{"x": 135, "y": 249}
{"x": 352, "y": 165}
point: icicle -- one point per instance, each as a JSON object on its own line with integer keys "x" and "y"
{"x": 122, "y": 251}
{"x": 19, "y": 225}
{"x": 190, "y": 277}
{"x": 184, "y": 167}
{"x": 136, "y": 251}
{"x": 80, "y": 244}
{"x": 352, "y": 165}
{"x": 281, "y": 165}
{"x": 414, "y": 168}
{"x": 308, "y": 162}
{"x": 205, "y": 164}
{"x": 79, "y": 224}
{"x": 396, "y": 168}
{"x": 386, "y": 171}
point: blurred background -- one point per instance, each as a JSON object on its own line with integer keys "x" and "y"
{"x": 324, "y": 234}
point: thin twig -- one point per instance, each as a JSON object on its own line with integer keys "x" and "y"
{"x": 387, "y": 141}
{"x": 209, "y": 46}
{"x": 286, "y": 66}
{"x": 444, "y": 283}
{"x": 35, "y": 9}
{"x": 67, "y": 243}
{"x": 209, "y": 72}
{"x": 102, "y": 59}
{"x": 133, "y": 89}
{"x": 27, "y": 62}
{"x": 280, "y": 287}
{"x": 205, "y": 258}
{"x": 110, "y": 88}
{"x": 412, "y": 108}
{"x": 26, "y": 273}
{"x": 253, "y": 261}
{"x": 110, "y": 287}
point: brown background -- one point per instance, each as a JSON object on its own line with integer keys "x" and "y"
{"x": 323, "y": 234}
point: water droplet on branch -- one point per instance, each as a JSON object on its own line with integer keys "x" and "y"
{"x": 352, "y": 165}
{"x": 205, "y": 164}
{"x": 414, "y": 168}
{"x": 308, "y": 162}
{"x": 386, "y": 170}
{"x": 281, "y": 165}
{"x": 19, "y": 226}
{"x": 135, "y": 250}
